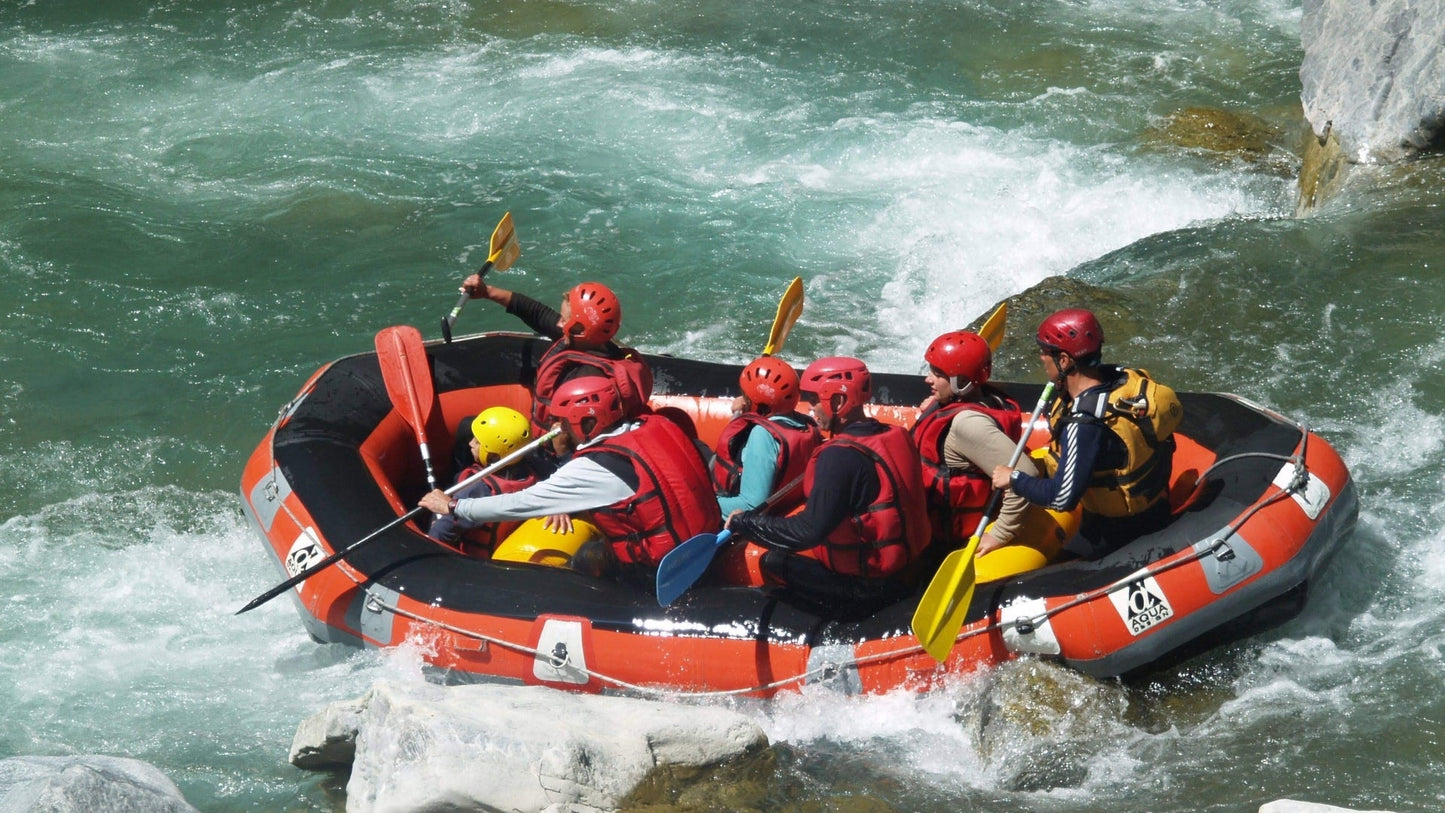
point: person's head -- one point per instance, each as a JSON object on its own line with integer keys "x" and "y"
{"x": 1070, "y": 340}
{"x": 770, "y": 385}
{"x": 587, "y": 406}
{"x": 836, "y": 388}
{"x": 591, "y": 315}
{"x": 497, "y": 432}
{"x": 958, "y": 362}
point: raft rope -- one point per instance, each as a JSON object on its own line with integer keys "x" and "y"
{"x": 1024, "y": 625}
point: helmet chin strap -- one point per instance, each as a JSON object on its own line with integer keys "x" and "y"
{"x": 960, "y": 390}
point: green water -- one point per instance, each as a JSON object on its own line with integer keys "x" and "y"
{"x": 201, "y": 202}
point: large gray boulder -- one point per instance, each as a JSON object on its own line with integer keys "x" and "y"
{"x": 487, "y": 747}
{"x": 85, "y": 784}
{"x": 1373, "y": 75}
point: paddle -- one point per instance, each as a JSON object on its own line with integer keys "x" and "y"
{"x": 940, "y": 612}
{"x": 415, "y": 512}
{"x": 789, "y": 309}
{"x": 408, "y": 382}
{"x": 504, "y": 251}
{"x": 685, "y": 564}
{"x": 992, "y": 329}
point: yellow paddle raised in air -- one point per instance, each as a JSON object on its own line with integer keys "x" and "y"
{"x": 992, "y": 330}
{"x": 790, "y": 307}
{"x": 504, "y": 250}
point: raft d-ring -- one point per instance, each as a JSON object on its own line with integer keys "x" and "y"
{"x": 373, "y": 604}
{"x": 558, "y": 656}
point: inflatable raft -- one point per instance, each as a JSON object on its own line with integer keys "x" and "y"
{"x": 1260, "y": 505}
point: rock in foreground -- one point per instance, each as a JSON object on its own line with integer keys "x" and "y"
{"x": 487, "y": 747}
{"x": 84, "y": 784}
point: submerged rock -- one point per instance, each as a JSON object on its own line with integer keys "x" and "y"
{"x": 84, "y": 784}
{"x": 489, "y": 747}
{"x": 1226, "y": 133}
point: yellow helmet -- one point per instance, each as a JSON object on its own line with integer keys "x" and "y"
{"x": 500, "y": 430}
{"x": 533, "y": 543}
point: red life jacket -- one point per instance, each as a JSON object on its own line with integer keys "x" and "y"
{"x": 795, "y": 447}
{"x": 482, "y": 540}
{"x": 957, "y": 497}
{"x": 674, "y": 500}
{"x": 891, "y": 532}
{"x": 629, "y": 373}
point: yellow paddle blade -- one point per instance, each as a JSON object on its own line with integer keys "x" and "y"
{"x": 992, "y": 330}
{"x": 940, "y": 613}
{"x": 505, "y": 248}
{"x": 789, "y": 309}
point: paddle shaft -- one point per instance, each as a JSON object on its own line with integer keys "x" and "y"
{"x": 415, "y": 512}
{"x": 451, "y": 318}
{"x": 996, "y": 498}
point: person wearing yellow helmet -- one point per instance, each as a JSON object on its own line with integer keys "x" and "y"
{"x": 496, "y": 432}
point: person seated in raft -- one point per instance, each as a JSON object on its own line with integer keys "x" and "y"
{"x": 767, "y": 444}
{"x": 965, "y": 429}
{"x": 638, "y": 480}
{"x": 582, "y": 331}
{"x": 1112, "y": 446}
{"x": 495, "y": 433}
{"x": 864, "y": 519}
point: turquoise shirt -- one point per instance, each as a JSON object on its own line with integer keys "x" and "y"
{"x": 760, "y": 468}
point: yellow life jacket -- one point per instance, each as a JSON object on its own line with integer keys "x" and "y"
{"x": 1144, "y": 414}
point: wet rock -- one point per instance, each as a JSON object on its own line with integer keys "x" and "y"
{"x": 1226, "y": 133}
{"x": 1373, "y": 75}
{"x": 1291, "y": 806}
{"x": 488, "y": 747}
{"x": 84, "y": 784}
{"x": 1373, "y": 87}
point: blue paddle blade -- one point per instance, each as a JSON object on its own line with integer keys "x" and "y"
{"x": 685, "y": 564}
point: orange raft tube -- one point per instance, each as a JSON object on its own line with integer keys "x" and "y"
{"x": 1260, "y": 505}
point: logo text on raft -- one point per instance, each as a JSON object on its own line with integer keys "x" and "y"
{"x": 1141, "y": 604}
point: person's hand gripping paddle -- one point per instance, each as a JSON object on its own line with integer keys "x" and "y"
{"x": 504, "y": 251}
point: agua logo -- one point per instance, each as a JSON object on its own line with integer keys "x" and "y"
{"x": 1141, "y": 604}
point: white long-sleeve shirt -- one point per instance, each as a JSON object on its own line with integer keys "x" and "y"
{"x": 580, "y": 484}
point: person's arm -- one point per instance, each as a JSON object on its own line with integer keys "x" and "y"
{"x": 1078, "y": 447}
{"x": 580, "y": 484}
{"x": 974, "y": 439}
{"x": 760, "y": 463}
{"x": 540, "y": 318}
{"x": 844, "y": 483}
{"x": 449, "y": 528}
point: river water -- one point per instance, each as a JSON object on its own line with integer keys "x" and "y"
{"x": 203, "y": 201}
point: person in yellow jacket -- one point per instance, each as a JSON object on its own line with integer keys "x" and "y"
{"x": 1112, "y": 449}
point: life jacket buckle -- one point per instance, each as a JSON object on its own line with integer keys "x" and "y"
{"x": 1136, "y": 407}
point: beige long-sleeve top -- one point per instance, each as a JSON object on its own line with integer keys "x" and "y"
{"x": 974, "y": 440}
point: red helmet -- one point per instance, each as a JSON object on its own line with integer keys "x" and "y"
{"x": 1074, "y": 331}
{"x": 589, "y": 404}
{"x": 960, "y": 354}
{"x": 596, "y": 313}
{"x": 771, "y": 384}
{"x": 838, "y": 375}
